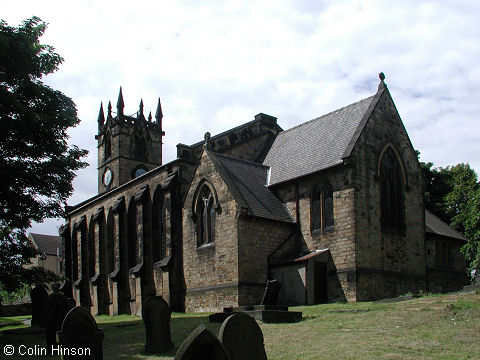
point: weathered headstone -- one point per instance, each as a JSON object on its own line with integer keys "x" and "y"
{"x": 57, "y": 307}
{"x": 156, "y": 317}
{"x": 242, "y": 338}
{"x": 80, "y": 336}
{"x": 201, "y": 344}
{"x": 39, "y": 297}
{"x": 270, "y": 295}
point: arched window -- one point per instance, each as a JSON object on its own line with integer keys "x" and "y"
{"x": 108, "y": 145}
{"x": 205, "y": 216}
{"x": 327, "y": 210}
{"x": 139, "y": 147}
{"x": 158, "y": 227}
{"x": 91, "y": 248}
{"x": 132, "y": 234}
{"x": 391, "y": 193}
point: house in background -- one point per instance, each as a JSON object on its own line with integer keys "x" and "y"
{"x": 51, "y": 257}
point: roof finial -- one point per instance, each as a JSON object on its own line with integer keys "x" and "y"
{"x": 109, "y": 109}
{"x": 101, "y": 116}
{"x": 150, "y": 116}
{"x": 207, "y": 145}
{"x": 159, "y": 113}
{"x": 120, "y": 104}
{"x": 382, "y": 84}
{"x": 141, "y": 107}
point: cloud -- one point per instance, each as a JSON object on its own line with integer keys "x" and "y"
{"x": 215, "y": 64}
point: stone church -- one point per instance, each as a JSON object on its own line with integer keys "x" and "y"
{"x": 332, "y": 208}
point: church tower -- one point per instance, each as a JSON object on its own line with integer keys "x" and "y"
{"x": 128, "y": 146}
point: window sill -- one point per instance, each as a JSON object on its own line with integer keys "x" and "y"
{"x": 323, "y": 231}
{"x": 206, "y": 246}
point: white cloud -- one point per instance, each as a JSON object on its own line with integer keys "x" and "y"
{"x": 215, "y": 64}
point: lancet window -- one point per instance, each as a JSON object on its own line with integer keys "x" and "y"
{"x": 205, "y": 216}
{"x": 391, "y": 193}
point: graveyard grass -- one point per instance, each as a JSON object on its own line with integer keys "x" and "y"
{"x": 431, "y": 327}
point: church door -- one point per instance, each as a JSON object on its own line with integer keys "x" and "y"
{"x": 320, "y": 292}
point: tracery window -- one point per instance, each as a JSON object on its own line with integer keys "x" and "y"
{"x": 321, "y": 203}
{"x": 205, "y": 216}
{"x": 391, "y": 193}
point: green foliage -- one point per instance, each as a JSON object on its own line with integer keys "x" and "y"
{"x": 38, "y": 165}
{"x": 7, "y": 297}
{"x": 453, "y": 194}
{"x": 438, "y": 185}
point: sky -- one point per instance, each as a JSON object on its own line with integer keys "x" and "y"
{"x": 216, "y": 64}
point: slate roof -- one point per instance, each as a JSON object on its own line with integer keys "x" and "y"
{"x": 318, "y": 144}
{"x": 47, "y": 244}
{"x": 248, "y": 183}
{"x": 436, "y": 226}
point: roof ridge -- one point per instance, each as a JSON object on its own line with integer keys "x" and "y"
{"x": 239, "y": 160}
{"x": 31, "y": 233}
{"x": 327, "y": 114}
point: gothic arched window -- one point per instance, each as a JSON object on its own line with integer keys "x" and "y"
{"x": 205, "y": 216}
{"x": 391, "y": 193}
{"x": 159, "y": 240}
{"x": 108, "y": 145}
{"x": 139, "y": 147}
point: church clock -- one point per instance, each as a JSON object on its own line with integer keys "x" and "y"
{"x": 107, "y": 177}
{"x": 139, "y": 171}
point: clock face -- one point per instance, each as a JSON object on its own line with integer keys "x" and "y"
{"x": 107, "y": 177}
{"x": 140, "y": 171}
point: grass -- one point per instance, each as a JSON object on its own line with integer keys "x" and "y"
{"x": 431, "y": 327}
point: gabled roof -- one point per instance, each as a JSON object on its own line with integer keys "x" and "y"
{"x": 247, "y": 182}
{"x": 320, "y": 143}
{"x": 436, "y": 226}
{"x": 47, "y": 244}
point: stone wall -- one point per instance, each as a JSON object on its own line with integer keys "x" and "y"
{"x": 211, "y": 270}
{"x": 249, "y": 150}
{"x": 341, "y": 239}
{"x": 257, "y": 239}
{"x": 113, "y": 237}
{"x": 387, "y": 264}
{"x": 16, "y": 309}
{"x": 445, "y": 264}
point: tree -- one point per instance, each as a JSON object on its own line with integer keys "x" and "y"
{"x": 453, "y": 194}
{"x": 438, "y": 183}
{"x": 38, "y": 165}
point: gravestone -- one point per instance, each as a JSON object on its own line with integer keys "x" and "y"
{"x": 242, "y": 338}
{"x": 57, "y": 307}
{"x": 81, "y": 333}
{"x": 156, "y": 317}
{"x": 270, "y": 296}
{"x": 201, "y": 344}
{"x": 39, "y": 297}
